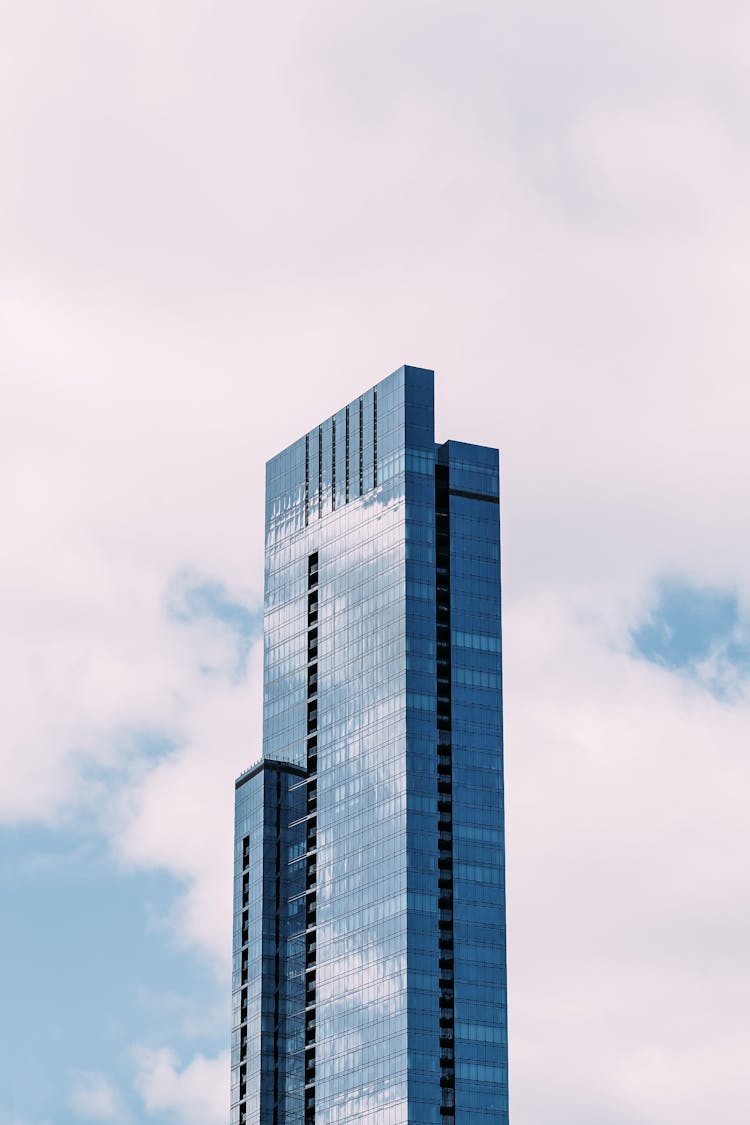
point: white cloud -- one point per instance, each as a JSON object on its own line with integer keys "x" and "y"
{"x": 192, "y": 1018}
{"x": 627, "y": 839}
{"x": 94, "y": 1098}
{"x": 179, "y": 815}
{"x": 194, "y": 1094}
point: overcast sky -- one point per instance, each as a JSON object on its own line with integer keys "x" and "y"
{"x": 219, "y": 222}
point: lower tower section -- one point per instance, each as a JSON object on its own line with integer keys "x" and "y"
{"x": 267, "y": 1013}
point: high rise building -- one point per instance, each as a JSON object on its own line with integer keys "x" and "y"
{"x": 369, "y": 978}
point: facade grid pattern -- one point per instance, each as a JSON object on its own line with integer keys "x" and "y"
{"x": 369, "y": 967}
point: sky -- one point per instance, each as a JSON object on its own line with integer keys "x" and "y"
{"x": 221, "y": 222}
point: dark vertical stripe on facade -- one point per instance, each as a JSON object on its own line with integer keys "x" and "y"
{"x": 333, "y": 462}
{"x": 244, "y": 978}
{"x": 312, "y": 819}
{"x": 307, "y": 479}
{"x": 375, "y": 438}
{"x": 361, "y": 449}
{"x": 277, "y": 1016}
{"x": 346, "y": 488}
{"x": 320, "y": 472}
{"x": 445, "y": 795}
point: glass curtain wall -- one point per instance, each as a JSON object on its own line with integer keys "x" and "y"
{"x": 382, "y": 715}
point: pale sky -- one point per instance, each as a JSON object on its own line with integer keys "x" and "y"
{"x": 219, "y": 222}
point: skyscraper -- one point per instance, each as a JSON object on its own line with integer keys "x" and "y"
{"x": 369, "y": 980}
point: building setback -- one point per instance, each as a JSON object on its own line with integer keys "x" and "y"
{"x": 369, "y": 975}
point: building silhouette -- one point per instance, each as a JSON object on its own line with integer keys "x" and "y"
{"x": 369, "y": 974}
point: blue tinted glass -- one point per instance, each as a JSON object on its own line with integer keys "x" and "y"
{"x": 369, "y": 929}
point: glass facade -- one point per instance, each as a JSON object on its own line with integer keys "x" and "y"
{"x": 369, "y": 914}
